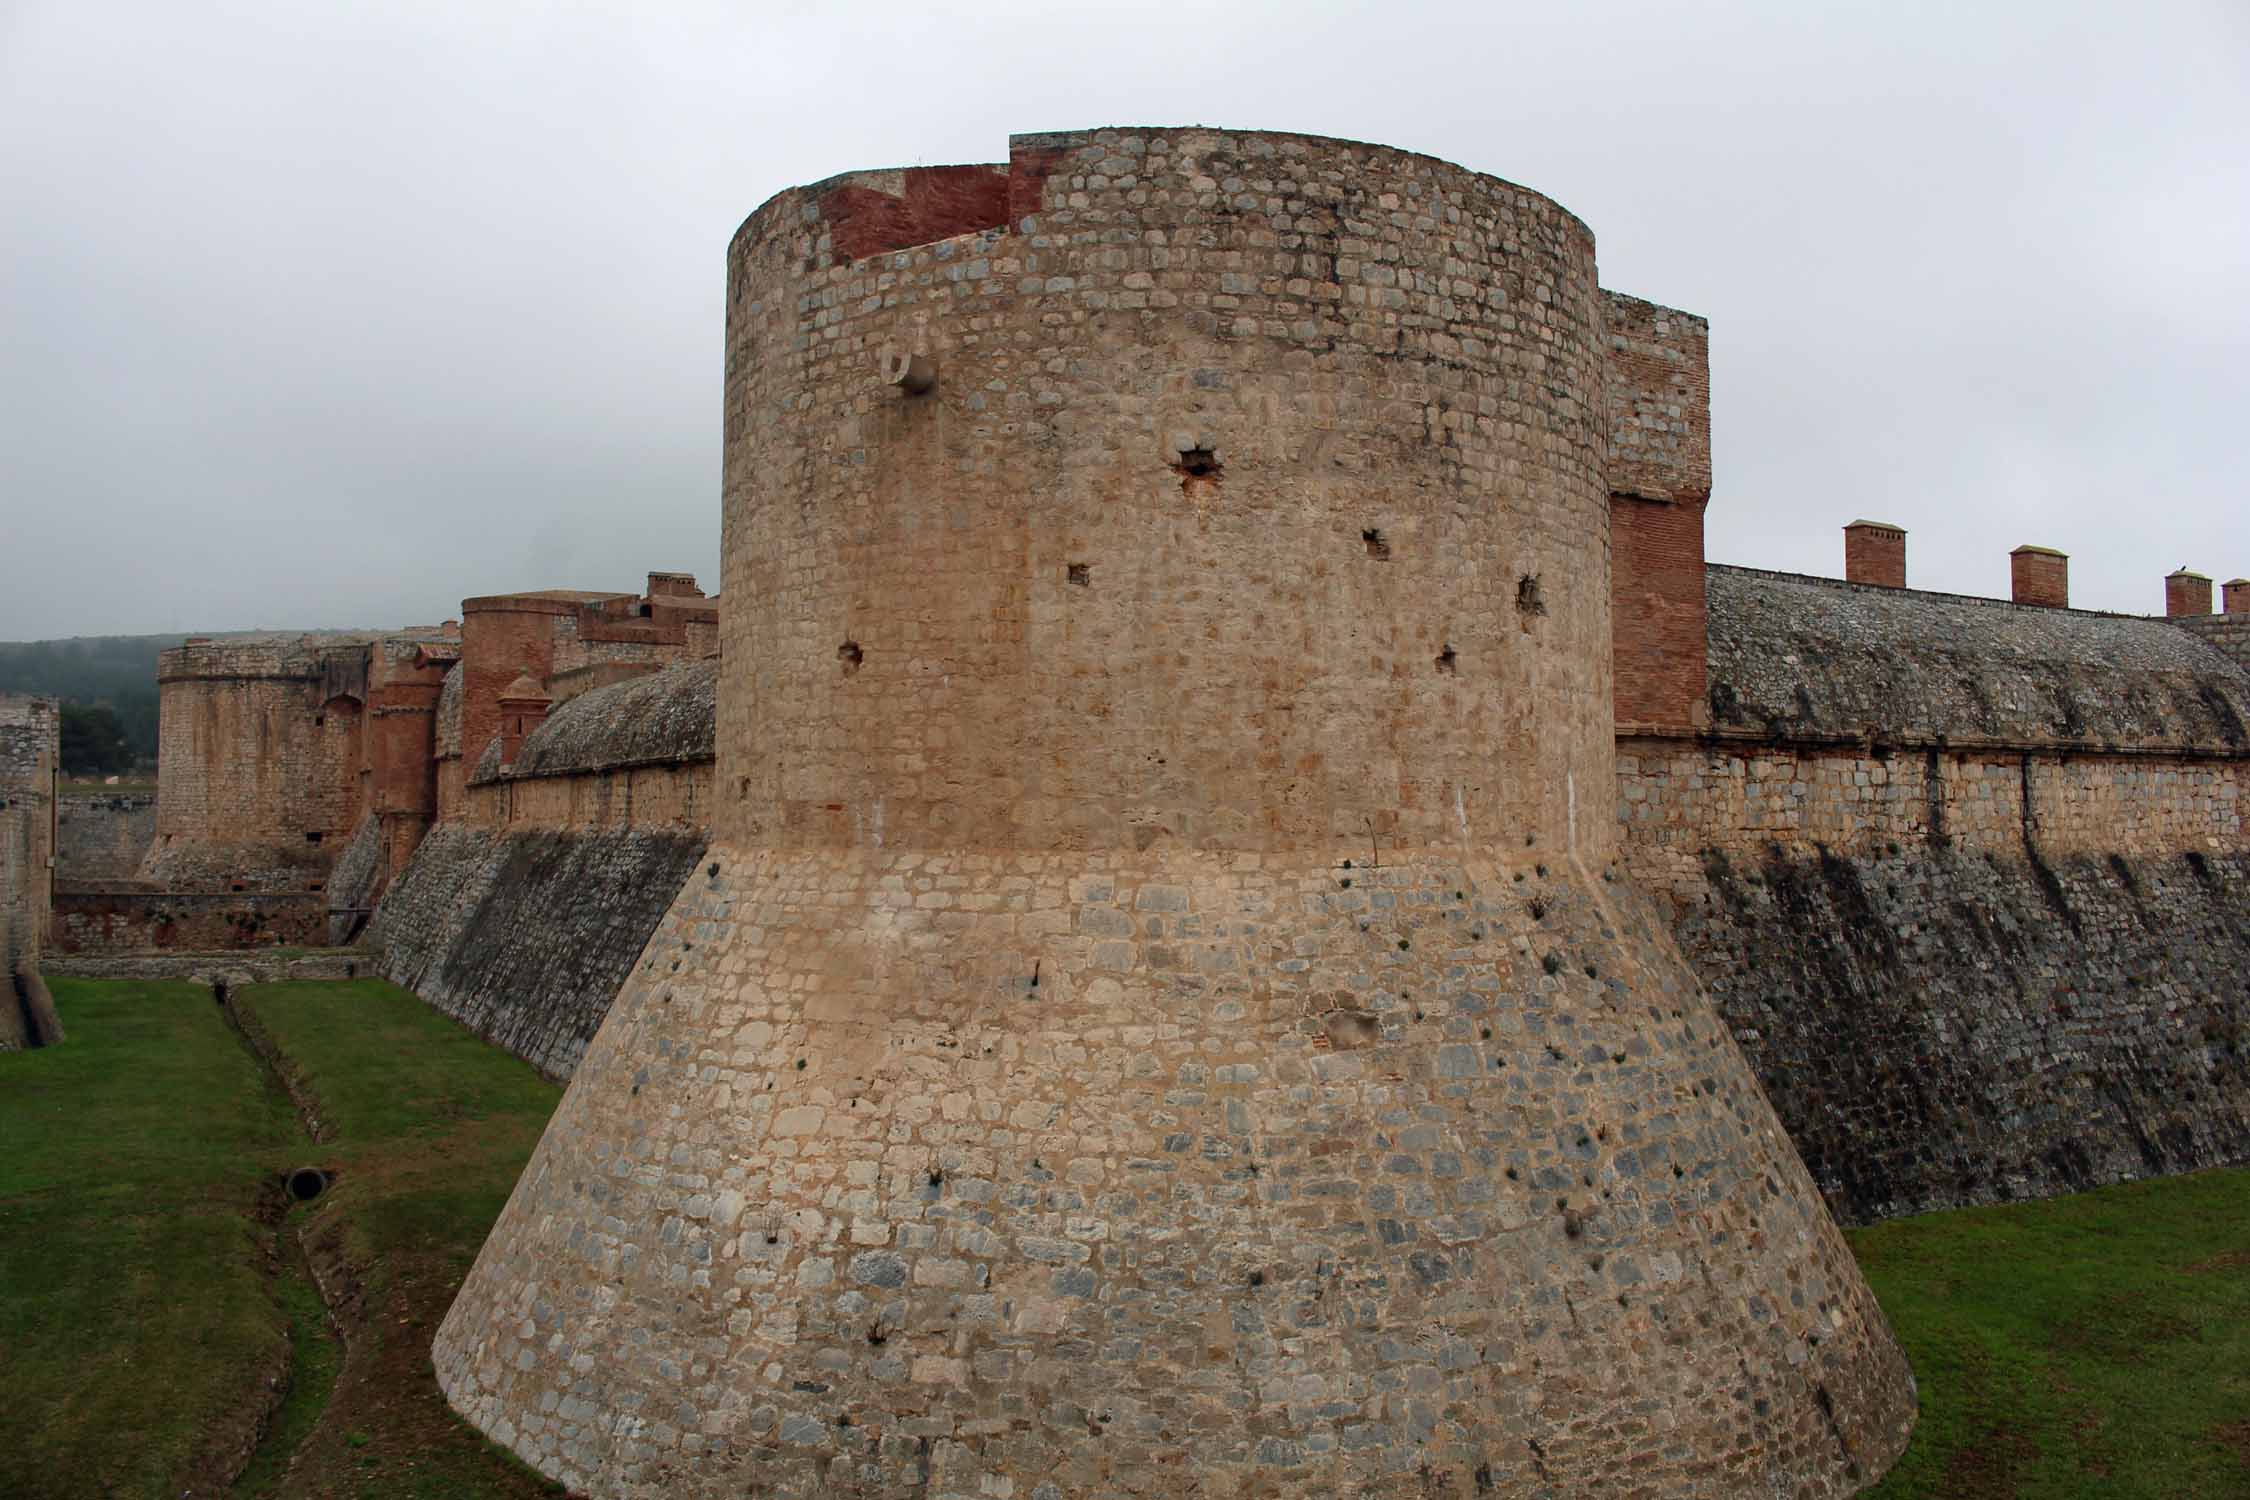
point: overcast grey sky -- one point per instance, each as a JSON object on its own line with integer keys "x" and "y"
{"x": 317, "y": 314}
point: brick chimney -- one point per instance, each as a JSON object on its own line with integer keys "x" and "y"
{"x": 2186, "y": 593}
{"x": 2238, "y": 596}
{"x": 523, "y": 708}
{"x": 673, "y": 585}
{"x": 1875, "y": 552}
{"x": 2039, "y": 575}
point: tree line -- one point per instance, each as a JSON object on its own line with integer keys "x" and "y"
{"x": 107, "y": 685}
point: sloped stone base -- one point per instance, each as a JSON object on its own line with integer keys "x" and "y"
{"x": 897, "y": 1175}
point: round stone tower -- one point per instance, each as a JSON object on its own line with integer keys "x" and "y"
{"x": 1157, "y": 1016}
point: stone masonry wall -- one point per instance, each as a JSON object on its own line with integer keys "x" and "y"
{"x": 1659, "y": 470}
{"x": 259, "y": 761}
{"x": 30, "y": 730}
{"x": 103, "y": 837}
{"x": 1970, "y": 883}
{"x": 2230, "y": 632}
{"x": 1949, "y": 1003}
{"x": 633, "y": 754}
{"x": 525, "y": 934}
{"x": 523, "y": 915}
{"x": 129, "y": 917}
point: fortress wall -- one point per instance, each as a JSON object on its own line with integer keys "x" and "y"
{"x": 522, "y": 917}
{"x": 103, "y": 837}
{"x": 1941, "y": 1026}
{"x": 1679, "y": 800}
{"x": 30, "y": 752}
{"x": 2229, "y": 632}
{"x": 450, "y": 775}
{"x": 628, "y": 797}
{"x": 547, "y": 632}
{"x": 1997, "y": 946}
{"x": 405, "y": 680}
{"x": 95, "y": 920}
{"x": 1152, "y": 1016}
{"x": 525, "y": 933}
{"x": 259, "y": 761}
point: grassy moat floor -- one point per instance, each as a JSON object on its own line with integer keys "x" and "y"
{"x": 162, "y": 1317}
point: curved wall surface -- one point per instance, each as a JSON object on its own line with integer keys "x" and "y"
{"x": 1156, "y": 1016}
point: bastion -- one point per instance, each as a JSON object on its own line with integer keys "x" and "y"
{"x": 1161, "y": 1012}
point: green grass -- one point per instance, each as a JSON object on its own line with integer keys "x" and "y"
{"x": 430, "y": 1128}
{"x": 347, "y": 1040}
{"x": 2095, "y": 1345}
{"x": 144, "y": 1308}
{"x": 133, "y": 1296}
{"x": 2084, "y": 1346}
{"x": 447, "y": 1133}
{"x": 316, "y": 1357}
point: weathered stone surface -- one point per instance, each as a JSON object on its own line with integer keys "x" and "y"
{"x": 102, "y": 837}
{"x": 1999, "y": 946}
{"x": 1941, "y": 1027}
{"x": 2229, "y": 632}
{"x": 30, "y": 746}
{"x": 525, "y": 934}
{"x": 1149, "y": 993}
{"x": 1813, "y": 656}
{"x": 1167, "y": 1202}
{"x": 661, "y": 719}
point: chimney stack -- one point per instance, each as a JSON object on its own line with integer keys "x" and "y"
{"x": 2039, "y": 575}
{"x": 2186, "y": 593}
{"x": 2238, "y": 596}
{"x": 1875, "y": 552}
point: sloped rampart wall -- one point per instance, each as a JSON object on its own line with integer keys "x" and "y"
{"x": 523, "y": 915}
{"x": 1970, "y": 883}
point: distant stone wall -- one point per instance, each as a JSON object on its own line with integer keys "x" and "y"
{"x": 30, "y": 730}
{"x": 125, "y": 917}
{"x": 233, "y": 965}
{"x": 634, "y": 754}
{"x": 103, "y": 838}
{"x": 259, "y": 750}
{"x": 356, "y": 882}
{"x": 525, "y": 934}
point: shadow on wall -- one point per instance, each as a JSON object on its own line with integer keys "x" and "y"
{"x": 1939, "y": 1027}
{"x": 525, "y": 935}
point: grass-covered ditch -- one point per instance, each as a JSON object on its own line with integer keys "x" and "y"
{"x": 166, "y": 1313}
{"x": 170, "y": 1319}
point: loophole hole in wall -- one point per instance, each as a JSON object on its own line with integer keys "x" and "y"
{"x": 1080, "y": 575}
{"x": 1351, "y": 1028}
{"x": 1378, "y": 546}
{"x": 849, "y": 656}
{"x": 1528, "y": 600}
{"x": 1197, "y": 463}
{"x": 1447, "y": 662}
